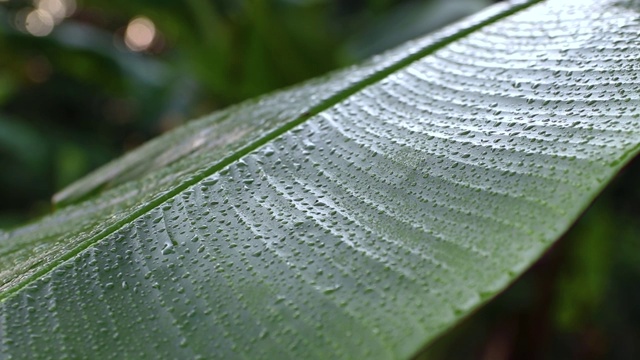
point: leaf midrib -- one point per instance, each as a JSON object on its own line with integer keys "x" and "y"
{"x": 247, "y": 149}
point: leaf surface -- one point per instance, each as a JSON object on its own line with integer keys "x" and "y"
{"x": 360, "y": 215}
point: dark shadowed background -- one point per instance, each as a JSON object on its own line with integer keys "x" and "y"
{"x": 84, "y": 81}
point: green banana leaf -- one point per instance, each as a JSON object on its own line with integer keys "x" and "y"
{"x": 359, "y": 215}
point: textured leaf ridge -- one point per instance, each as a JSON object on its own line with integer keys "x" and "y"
{"x": 367, "y": 225}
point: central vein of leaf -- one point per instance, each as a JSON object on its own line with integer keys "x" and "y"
{"x": 321, "y": 106}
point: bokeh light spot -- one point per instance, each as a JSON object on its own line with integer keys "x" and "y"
{"x": 58, "y": 9}
{"x": 39, "y": 22}
{"x": 140, "y": 34}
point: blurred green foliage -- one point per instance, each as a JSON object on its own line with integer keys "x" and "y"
{"x": 78, "y": 97}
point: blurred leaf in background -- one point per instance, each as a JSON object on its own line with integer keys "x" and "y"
{"x": 81, "y": 82}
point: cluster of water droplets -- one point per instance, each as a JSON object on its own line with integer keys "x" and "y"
{"x": 372, "y": 226}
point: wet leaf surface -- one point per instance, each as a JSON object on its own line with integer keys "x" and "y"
{"x": 357, "y": 216}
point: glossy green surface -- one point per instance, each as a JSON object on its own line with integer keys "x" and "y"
{"x": 359, "y": 215}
